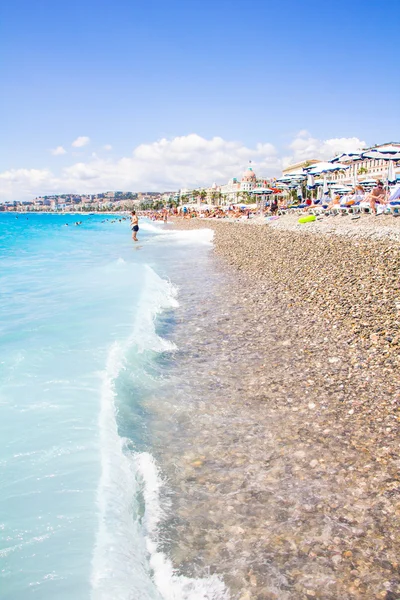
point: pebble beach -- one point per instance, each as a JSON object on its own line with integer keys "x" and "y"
{"x": 286, "y": 461}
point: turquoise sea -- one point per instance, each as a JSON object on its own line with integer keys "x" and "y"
{"x": 86, "y": 318}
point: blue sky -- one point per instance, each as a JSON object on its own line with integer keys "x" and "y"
{"x": 127, "y": 74}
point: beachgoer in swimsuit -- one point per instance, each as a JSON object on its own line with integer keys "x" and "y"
{"x": 274, "y": 207}
{"x": 378, "y": 195}
{"x": 134, "y": 225}
{"x": 335, "y": 202}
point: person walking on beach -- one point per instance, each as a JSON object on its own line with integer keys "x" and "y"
{"x": 134, "y": 225}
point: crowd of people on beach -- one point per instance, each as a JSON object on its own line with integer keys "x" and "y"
{"x": 376, "y": 200}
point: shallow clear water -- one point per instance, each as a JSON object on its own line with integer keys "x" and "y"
{"x": 86, "y": 318}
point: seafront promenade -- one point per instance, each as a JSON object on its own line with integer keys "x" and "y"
{"x": 291, "y": 445}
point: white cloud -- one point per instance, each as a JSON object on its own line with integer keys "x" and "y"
{"x": 107, "y": 147}
{"x": 21, "y": 184}
{"x": 80, "y": 141}
{"x": 168, "y": 164}
{"x": 58, "y": 151}
{"x": 305, "y": 147}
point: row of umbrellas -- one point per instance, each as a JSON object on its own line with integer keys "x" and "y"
{"x": 389, "y": 154}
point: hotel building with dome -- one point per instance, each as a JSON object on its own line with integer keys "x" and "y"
{"x": 248, "y": 182}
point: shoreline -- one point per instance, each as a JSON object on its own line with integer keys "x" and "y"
{"x": 350, "y": 278}
{"x": 288, "y": 474}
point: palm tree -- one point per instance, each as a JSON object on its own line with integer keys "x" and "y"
{"x": 247, "y": 199}
{"x": 202, "y": 195}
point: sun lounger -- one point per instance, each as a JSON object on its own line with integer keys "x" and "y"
{"x": 365, "y": 207}
{"x": 394, "y": 207}
{"x": 318, "y": 209}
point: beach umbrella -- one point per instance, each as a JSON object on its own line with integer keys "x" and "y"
{"x": 310, "y": 182}
{"x": 299, "y": 192}
{"x": 347, "y": 156}
{"x": 262, "y": 191}
{"x": 289, "y": 179}
{"x": 320, "y": 182}
{"x": 389, "y": 153}
{"x": 352, "y": 157}
{"x": 378, "y": 155}
{"x": 391, "y": 174}
{"x": 368, "y": 182}
{"x": 325, "y": 186}
{"x": 339, "y": 187}
{"x": 296, "y": 178}
{"x": 298, "y": 173}
{"x": 389, "y": 149}
{"x": 326, "y": 167}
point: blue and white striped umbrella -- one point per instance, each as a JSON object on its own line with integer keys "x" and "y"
{"x": 375, "y": 154}
{"x": 347, "y": 156}
{"x": 310, "y": 182}
{"x": 389, "y": 149}
{"x": 369, "y": 182}
{"x": 262, "y": 191}
{"x": 391, "y": 176}
{"x": 327, "y": 167}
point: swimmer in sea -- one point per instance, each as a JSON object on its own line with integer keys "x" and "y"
{"x": 134, "y": 225}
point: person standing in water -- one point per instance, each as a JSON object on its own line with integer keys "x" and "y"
{"x": 134, "y": 225}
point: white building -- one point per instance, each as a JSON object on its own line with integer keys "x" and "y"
{"x": 249, "y": 180}
{"x": 230, "y": 191}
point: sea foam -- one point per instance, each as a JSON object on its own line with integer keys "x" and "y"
{"x": 127, "y": 563}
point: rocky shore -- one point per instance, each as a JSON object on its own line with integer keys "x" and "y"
{"x": 286, "y": 461}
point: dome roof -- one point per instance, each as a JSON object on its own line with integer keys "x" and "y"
{"x": 249, "y": 175}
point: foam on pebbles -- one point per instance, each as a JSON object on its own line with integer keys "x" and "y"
{"x": 285, "y": 464}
